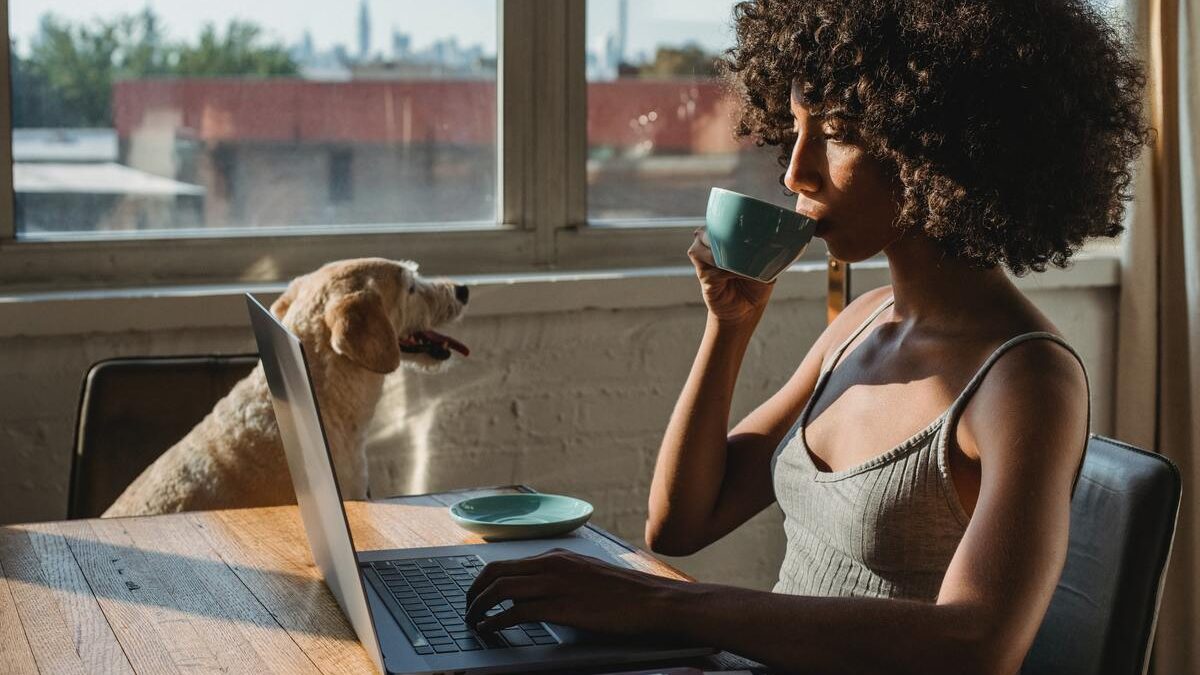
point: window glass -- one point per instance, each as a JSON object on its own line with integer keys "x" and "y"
{"x": 660, "y": 124}
{"x": 188, "y": 117}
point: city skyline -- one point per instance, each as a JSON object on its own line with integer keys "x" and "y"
{"x": 471, "y": 22}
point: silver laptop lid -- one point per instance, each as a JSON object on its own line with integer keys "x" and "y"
{"x": 309, "y": 462}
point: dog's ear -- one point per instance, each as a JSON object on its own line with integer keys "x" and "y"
{"x": 280, "y": 307}
{"x": 361, "y": 331}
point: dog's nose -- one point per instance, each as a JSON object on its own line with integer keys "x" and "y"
{"x": 462, "y": 293}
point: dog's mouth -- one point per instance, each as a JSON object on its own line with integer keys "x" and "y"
{"x": 433, "y": 343}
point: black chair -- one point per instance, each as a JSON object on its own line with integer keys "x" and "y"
{"x": 131, "y": 410}
{"x": 1102, "y": 617}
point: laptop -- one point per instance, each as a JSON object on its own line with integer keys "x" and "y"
{"x": 407, "y": 605}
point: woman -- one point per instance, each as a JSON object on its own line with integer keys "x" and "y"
{"x": 958, "y": 138}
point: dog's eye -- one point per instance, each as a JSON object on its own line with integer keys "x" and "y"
{"x": 412, "y": 289}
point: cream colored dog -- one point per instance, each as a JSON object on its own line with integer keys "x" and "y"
{"x": 358, "y": 320}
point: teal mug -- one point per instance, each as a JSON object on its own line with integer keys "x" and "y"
{"x": 753, "y": 238}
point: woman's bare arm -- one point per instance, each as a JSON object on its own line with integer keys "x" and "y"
{"x": 1028, "y": 422}
{"x": 708, "y": 480}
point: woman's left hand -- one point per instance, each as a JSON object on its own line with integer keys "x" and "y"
{"x": 571, "y": 589}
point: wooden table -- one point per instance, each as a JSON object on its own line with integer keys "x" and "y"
{"x": 229, "y": 591}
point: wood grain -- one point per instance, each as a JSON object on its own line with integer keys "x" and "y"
{"x": 223, "y": 591}
{"x": 15, "y": 653}
{"x": 47, "y": 633}
{"x": 92, "y": 637}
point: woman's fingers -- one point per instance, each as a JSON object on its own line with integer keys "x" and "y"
{"x": 699, "y": 252}
{"x": 521, "y": 612}
{"x": 518, "y": 588}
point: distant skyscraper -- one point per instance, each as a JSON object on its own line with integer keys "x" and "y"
{"x": 622, "y": 29}
{"x": 401, "y": 44}
{"x": 306, "y": 46}
{"x": 364, "y": 30}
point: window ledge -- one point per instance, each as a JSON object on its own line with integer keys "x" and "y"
{"x": 72, "y": 312}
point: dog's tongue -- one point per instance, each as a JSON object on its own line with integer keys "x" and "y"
{"x": 437, "y": 338}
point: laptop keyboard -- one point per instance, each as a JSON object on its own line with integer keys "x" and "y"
{"x": 428, "y": 597}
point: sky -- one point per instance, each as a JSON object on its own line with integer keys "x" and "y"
{"x": 651, "y": 22}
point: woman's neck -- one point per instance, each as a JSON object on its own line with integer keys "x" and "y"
{"x": 938, "y": 291}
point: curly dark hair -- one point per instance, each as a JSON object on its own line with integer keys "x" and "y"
{"x": 1011, "y": 124}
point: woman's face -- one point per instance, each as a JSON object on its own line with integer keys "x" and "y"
{"x": 853, "y": 196}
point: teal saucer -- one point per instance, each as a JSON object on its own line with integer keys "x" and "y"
{"x": 520, "y": 516}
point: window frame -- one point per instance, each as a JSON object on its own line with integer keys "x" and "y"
{"x": 541, "y": 195}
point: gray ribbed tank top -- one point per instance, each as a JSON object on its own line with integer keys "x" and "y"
{"x": 886, "y": 528}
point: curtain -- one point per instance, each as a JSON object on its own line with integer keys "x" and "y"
{"x": 1158, "y": 359}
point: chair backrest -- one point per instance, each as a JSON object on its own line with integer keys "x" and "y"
{"x": 1102, "y": 617}
{"x": 131, "y": 410}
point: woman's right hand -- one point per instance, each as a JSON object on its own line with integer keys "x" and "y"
{"x": 731, "y": 299}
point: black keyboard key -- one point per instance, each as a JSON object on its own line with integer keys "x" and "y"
{"x": 424, "y": 650}
{"x": 531, "y": 626}
{"x": 516, "y": 637}
{"x": 381, "y": 565}
{"x": 468, "y": 644}
{"x": 445, "y": 649}
{"x": 544, "y": 640}
{"x": 460, "y": 634}
{"x": 492, "y": 640}
{"x": 454, "y": 624}
{"x": 406, "y": 625}
{"x": 439, "y": 639}
{"x": 420, "y": 614}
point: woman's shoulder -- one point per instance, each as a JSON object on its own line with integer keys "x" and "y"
{"x": 859, "y": 310}
{"x": 849, "y": 320}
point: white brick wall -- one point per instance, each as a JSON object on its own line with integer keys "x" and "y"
{"x": 566, "y": 397}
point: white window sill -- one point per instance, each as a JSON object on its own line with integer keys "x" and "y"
{"x": 220, "y": 306}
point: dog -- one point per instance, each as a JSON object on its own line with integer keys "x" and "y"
{"x": 358, "y": 320}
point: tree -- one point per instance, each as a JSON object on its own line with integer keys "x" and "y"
{"x": 690, "y": 60}
{"x": 237, "y": 53}
{"x": 67, "y": 78}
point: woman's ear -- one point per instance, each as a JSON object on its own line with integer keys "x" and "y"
{"x": 362, "y": 332}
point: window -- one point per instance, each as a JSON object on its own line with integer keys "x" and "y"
{"x": 201, "y": 132}
{"x": 341, "y": 182}
{"x": 660, "y": 123}
{"x": 192, "y": 118}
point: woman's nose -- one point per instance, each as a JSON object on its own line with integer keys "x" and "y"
{"x": 801, "y": 175}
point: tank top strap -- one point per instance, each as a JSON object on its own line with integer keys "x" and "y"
{"x": 960, "y": 403}
{"x": 836, "y": 356}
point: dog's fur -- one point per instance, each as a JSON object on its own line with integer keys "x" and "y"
{"x": 351, "y": 316}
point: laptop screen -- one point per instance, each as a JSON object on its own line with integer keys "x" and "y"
{"x": 311, "y": 467}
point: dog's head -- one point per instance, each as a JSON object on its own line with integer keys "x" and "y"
{"x": 377, "y": 313}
